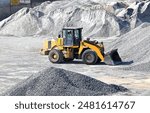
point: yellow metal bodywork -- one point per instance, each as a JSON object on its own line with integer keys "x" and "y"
{"x": 46, "y": 46}
{"x": 95, "y": 48}
{"x": 15, "y": 2}
{"x": 68, "y": 50}
{"x": 57, "y": 44}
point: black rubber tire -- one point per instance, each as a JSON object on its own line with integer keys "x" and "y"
{"x": 68, "y": 59}
{"x": 89, "y": 57}
{"x": 98, "y": 60}
{"x": 58, "y": 54}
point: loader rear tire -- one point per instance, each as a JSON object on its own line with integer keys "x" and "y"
{"x": 55, "y": 56}
{"x": 89, "y": 57}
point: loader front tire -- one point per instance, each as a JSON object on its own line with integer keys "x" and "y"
{"x": 89, "y": 57}
{"x": 55, "y": 56}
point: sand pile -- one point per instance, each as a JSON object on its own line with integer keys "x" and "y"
{"x": 49, "y": 18}
{"x": 59, "y": 82}
{"x": 135, "y": 46}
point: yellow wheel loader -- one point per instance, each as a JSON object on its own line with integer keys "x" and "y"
{"x": 69, "y": 46}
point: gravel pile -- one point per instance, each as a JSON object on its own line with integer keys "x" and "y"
{"x": 50, "y": 17}
{"x": 135, "y": 46}
{"x": 59, "y": 82}
{"x": 99, "y": 18}
{"x": 136, "y": 13}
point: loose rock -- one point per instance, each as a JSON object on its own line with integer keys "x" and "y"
{"x": 59, "y": 82}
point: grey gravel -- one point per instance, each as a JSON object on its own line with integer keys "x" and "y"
{"x": 59, "y": 82}
{"x": 94, "y": 17}
{"x": 135, "y": 47}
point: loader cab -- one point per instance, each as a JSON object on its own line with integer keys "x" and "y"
{"x": 72, "y": 36}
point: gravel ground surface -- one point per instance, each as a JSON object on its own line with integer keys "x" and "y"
{"x": 20, "y": 59}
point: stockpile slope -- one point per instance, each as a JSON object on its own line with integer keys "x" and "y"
{"x": 50, "y": 17}
{"x": 136, "y": 13}
{"x": 135, "y": 46}
{"x": 59, "y": 82}
{"x": 99, "y": 18}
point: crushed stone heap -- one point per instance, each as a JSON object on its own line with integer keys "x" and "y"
{"x": 50, "y": 17}
{"x": 58, "y": 82}
{"x": 135, "y": 46}
{"x": 99, "y": 18}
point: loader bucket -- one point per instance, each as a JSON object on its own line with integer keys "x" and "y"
{"x": 112, "y": 58}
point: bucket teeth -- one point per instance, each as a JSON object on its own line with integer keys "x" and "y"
{"x": 112, "y": 58}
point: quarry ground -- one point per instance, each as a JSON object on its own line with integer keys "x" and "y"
{"x": 20, "y": 58}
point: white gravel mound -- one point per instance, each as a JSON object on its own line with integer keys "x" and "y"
{"x": 59, "y": 82}
{"x": 135, "y": 46}
{"x": 50, "y": 17}
{"x": 137, "y": 13}
{"x": 99, "y": 18}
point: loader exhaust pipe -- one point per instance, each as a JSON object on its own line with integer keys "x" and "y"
{"x": 112, "y": 58}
